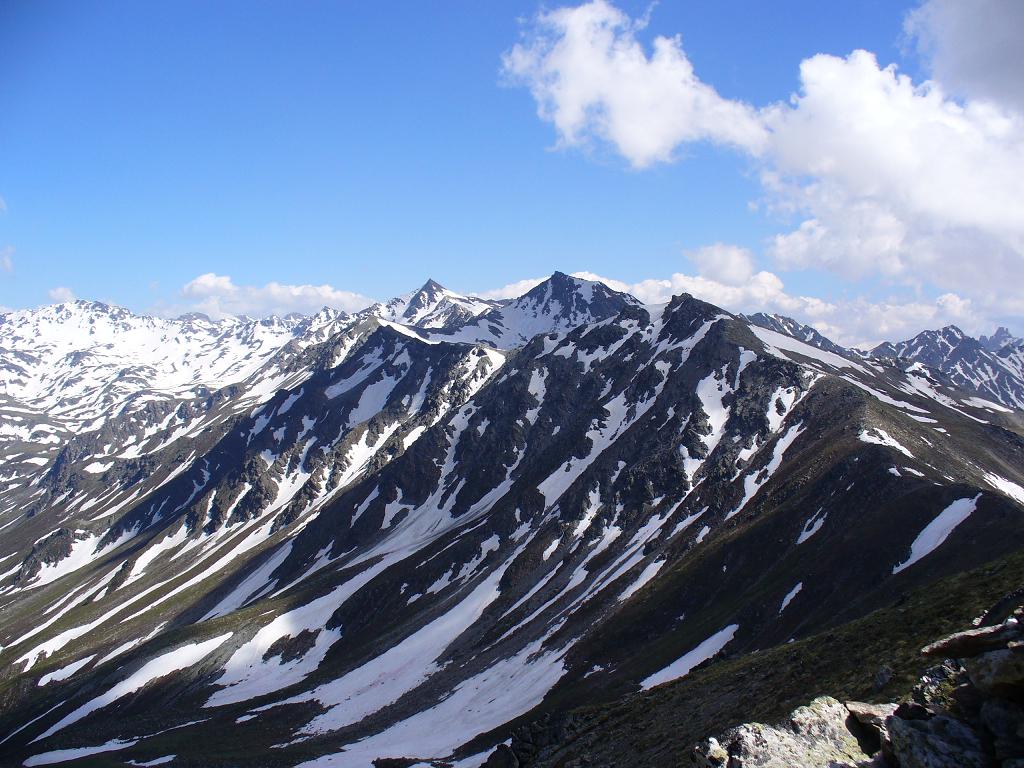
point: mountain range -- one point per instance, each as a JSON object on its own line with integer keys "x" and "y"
{"x": 431, "y": 531}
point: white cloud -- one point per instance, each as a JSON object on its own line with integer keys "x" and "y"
{"x": 858, "y": 322}
{"x": 886, "y": 178}
{"x": 909, "y": 189}
{"x": 7, "y": 258}
{"x": 973, "y": 48}
{"x": 593, "y": 79}
{"x": 218, "y": 296}
{"x": 763, "y": 292}
{"x": 728, "y": 264}
{"x": 512, "y": 290}
{"x": 61, "y": 294}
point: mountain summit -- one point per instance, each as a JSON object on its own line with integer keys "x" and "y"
{"x": 432, "y": 306}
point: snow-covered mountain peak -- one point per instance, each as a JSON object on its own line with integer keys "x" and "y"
{"x": 81, "y": 361}
{"x": 557, "y": 305}
{"x": 431, "y": 306}
{"x": 574, "y": 299}
{"x": 966, "y": 360}
{"x": 563, "y": 302}
{"x": 1001, "y": 338}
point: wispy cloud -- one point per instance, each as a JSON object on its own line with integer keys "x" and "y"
{"x": 61, "y": 294}
{"x": 219, "y": 296}
{"x": 512, "y": 290}
{"x": 7, "y": 258}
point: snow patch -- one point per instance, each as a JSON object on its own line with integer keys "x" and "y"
{"x": 682, "y": 666}
{"x": 938, "y": 530}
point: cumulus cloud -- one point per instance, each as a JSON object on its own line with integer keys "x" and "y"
{"x": 858, "y": 322}
{"x": 918, "y": 184}
{"x": 728, "y": 264}
{"x": 915, "y": 186}
{"x": 762, "y": 292}
{"x": 512, "y": 290}
{"x": 593, "y": 79}
{"x": 218, "y": 296}
{"x": 61, "y": 294}
{"x": 974, "y": 48}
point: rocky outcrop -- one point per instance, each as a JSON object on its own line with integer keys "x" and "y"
{"x": 823, "y": 734}
{"x": 967, "y": 712}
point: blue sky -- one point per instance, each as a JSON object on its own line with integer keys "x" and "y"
{"x": 367, "y": 146}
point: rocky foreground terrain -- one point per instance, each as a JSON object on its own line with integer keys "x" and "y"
{"x": 966, "y": 711}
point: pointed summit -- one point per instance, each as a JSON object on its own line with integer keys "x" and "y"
{"x": 431, "y": 306}
{"x": 577, "y": 300}
{"x": 426, "y": 299}
{"x": 998, "y": 340}
{"x": 559, "y": 304}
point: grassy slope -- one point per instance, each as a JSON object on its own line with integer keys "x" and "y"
{"x": 657, "y": 727}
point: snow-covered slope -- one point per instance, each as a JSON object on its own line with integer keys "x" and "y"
{"x": 557, "y": 305}
{"x": 791, "y": 327}
{"x": 993, "y": 367}
{"x": 432, "y": 306}
{"x": 82, "y": 363}
{"x": 381, "y": 539}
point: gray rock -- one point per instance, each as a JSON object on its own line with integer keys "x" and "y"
{"x": 938, "y": 682}
{"x": 1005, "y": 721}
{"x": 973, "y": 642}
{"x": 709, "y": 754}
{"x": 870, "y": 714}
{"x": 939, "y": 742}
{"x": 873, "y": 735}
{"x": 816, "y": 736}
{"x": 997, "y": 672}
{"x": 883, "y": 676}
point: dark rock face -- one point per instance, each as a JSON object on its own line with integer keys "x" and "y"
{"x": 936, "y": 742}
{"x": 49, "y": 551}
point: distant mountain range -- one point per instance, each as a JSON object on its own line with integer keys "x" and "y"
{"x": 992, "y": 366}
{"x": 404, "y": 535}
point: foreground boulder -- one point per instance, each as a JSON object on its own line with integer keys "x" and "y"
{"x": 816, "y": 736}
{"x": 967, "y": 712}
